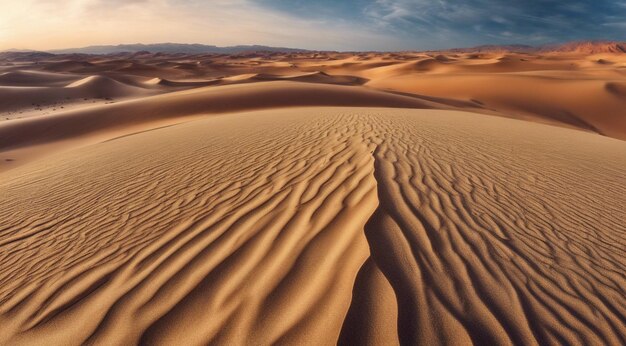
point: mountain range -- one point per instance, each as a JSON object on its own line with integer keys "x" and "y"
{"x": 585, "y": 47}
{"x": 172, "y": 48}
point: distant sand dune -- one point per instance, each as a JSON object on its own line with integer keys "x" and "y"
{"x": 597, "y": 106}
{"x": 30, "y": 78}
{"x": 60, "y": 90}
{"x": 96, "y": 86}
{"x": 124, "y": 118}
{"x": 532, "y": 86}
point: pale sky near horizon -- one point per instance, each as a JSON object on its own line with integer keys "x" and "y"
{"x": 311, "y": 24}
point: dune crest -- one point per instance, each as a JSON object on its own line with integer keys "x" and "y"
{"x": 28, "y": 137}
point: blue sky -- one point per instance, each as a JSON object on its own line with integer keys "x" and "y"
{"x": 312, "y": 24}
{"x": 456, "y": 23}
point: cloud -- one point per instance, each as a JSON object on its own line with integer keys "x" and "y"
{"x": 313, "y": 24}
{"x": 616, "y": 25}
{"x": 524, "y": 21}
{"x": 220, "y": 22}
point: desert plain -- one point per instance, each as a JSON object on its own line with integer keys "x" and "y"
{"x": 313, "y": 198}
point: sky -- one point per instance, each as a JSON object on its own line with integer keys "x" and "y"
{"x": 309, "y": 24}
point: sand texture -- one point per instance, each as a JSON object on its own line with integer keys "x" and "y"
{"x": 295, "y": 207}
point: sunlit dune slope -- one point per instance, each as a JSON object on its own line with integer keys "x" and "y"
{"x": 25, "y": 137}
{"x": 586, "y": 103}
{"x": 312, "y": 226}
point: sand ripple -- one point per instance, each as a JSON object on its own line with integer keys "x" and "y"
{"x": 309, "y": 226}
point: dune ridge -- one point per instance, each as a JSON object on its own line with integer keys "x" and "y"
{"x": 26, "y": 139}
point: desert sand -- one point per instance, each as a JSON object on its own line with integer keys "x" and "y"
{"x": 313, "y": 199}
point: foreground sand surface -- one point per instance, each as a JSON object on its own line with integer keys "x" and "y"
{"x": 306, "y": 226}
{"x": 347, "y": 204}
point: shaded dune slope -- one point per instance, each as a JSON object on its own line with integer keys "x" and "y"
{"x": 312, "y": 226}
{"x": 101, "y": 85}
{"x": 30, "y": 78}
{"x": 62, "y": 126}
{"x": 14, "y": 98}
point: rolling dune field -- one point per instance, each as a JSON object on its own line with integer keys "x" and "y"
{"x": 314, "y": 199}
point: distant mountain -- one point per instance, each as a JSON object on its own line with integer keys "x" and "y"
{"x": 16, "y": 50}
{"x": 24, "y": 55}
{"x": 134, "y": 50}
{"x": 589, "y": 47}
{"x": 519, "y": 48}
{"x": 583, "y": 47}
{"x": 172, "y": 48}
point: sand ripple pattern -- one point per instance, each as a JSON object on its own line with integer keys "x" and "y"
{"x": 499, "y": 238}
{"x": 318, "y": 226}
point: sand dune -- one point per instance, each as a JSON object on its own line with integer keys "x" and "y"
{"x": 24, "y": 139}
{"x": 532, "y": 86}
{"x": 314, "y": 199}
{"x": 35, "y": 78}
{"x": 99, "y": 86}
{"x": 69, "y": 65}
{"x": 32, "y": 92}
{"x": 598, "y": 106}
{"x": 307, "y": 226}
{"x": 316, "y": 77}
{"x": 185, "y": 84}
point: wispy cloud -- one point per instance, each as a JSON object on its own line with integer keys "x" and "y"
{"x": 44, "y": 24}
{"x": 524, "y": 21}
{"x": 616, "y": 25}
{"x": 315, "y": 24}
